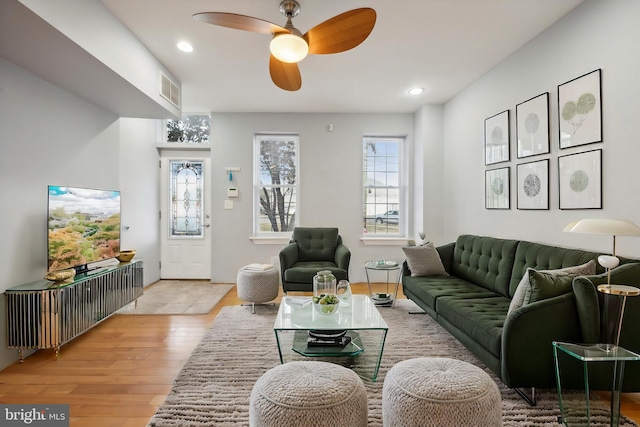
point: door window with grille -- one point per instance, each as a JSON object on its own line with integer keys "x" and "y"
{"x": 186, "y": 198}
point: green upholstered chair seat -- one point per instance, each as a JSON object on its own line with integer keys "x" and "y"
{"x": 303, "y": 272}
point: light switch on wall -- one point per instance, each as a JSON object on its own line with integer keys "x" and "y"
{"x": 228, "y": 204}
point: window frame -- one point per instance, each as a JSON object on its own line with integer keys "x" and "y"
{"x": 402, "y": 204}
{"x": 258, "y": 138}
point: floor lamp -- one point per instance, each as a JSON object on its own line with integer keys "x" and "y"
{"x": 612, "y": 228}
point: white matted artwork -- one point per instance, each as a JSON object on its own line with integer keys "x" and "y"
{"x": 496, "y": 138}
{"x": 533, "y": 185}
{"x": 532, "y": 126}
{"x": 580, "y": 177}
{"x": 496, "y": 189}
{"x": 580, "y": 110}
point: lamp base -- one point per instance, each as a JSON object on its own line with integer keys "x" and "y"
{"x": 607, "y": 348}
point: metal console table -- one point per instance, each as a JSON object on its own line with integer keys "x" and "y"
{"x": 42, "y": 315}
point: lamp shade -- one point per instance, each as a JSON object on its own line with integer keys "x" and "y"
{"x": 610, "y": 227}
{"x": 289, "y": 47}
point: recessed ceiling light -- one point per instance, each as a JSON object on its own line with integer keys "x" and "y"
{"x": 185, "y": 47}
{"x": 416, "y": 91}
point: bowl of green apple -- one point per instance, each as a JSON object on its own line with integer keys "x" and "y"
{"x": 326, "y": 304}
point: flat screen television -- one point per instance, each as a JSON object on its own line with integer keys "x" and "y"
{"x": 83, "y": 227}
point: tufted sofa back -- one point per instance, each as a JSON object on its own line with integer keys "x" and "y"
{"x": 315, "y": 243}
{"x": 546, "y": 257}
{"x": 485, "y": 261}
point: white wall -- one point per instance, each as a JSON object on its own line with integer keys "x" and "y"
{"x": 50, "y": 136}
{"x": 140, "y": 193}
{"x": 595, "y": 35}
{"x": 330, "y": 171}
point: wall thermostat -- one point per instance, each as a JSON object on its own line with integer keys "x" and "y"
{"x": 232, "y": 192}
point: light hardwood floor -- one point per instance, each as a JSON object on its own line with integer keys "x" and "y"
{"x": 118, "y": 373}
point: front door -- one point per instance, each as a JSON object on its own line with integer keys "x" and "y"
{"x": 185, "y": 219}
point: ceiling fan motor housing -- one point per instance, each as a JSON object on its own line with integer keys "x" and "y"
{"x": 289, "y": 8}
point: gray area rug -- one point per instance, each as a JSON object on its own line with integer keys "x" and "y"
{"x": 178, "y": 297}
{"x": 214, "y": 386}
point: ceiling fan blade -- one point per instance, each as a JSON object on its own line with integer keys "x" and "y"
{"x": 342, "y": 32}
{"x": 285, "y": 75}
{"x": 239, "y": 22}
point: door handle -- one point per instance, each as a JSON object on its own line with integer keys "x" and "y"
{"x": 207, "y": 225}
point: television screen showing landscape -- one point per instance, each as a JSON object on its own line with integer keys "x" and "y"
{"x": 84, "y": 226}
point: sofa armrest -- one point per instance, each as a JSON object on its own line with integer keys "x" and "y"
{"x": 527, "y": 336}
{"x": 343, "y": 257}
{"x": 446, "y": 255}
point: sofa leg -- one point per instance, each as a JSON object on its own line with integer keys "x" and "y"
{"x": 417, "y": 312}
{"x": 531, "y": 400}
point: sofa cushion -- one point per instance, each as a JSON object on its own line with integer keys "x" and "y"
{"x": 479, "y": 318}
{"x": 545, "y": 257}
{"x": 424, "y": 261}
{"x": 485, "y": 261}
{"x": 428, "y": 290}
{"x": 577, "y": 270}
{"x": 303, "y": 272}
{"x": 546, "y": 285}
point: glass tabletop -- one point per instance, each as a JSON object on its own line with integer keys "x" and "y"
{"x": 382, "y": 265}
{"x": 595, "y": 352}
{"x": 361, "y": 314}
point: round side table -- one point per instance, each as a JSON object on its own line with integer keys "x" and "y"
{"x": 387, "y": 266}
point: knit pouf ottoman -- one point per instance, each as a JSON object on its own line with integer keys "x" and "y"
{"x": 257, "y": 284}
{"x": 308, "y": 394}
{"x": 439, "y": 392}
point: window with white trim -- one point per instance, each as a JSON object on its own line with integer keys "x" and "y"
{"x": 383, "y": 204}
{"x": 276, "y": 187}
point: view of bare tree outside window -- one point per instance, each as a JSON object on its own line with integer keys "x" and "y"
{"x": 191, "y": 129}
{"x": 381, "y": 192}
{"x": 277, "y": 183}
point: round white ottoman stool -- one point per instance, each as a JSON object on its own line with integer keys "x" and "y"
{"x": 439, "y": 392}
{"x": 309, "y": 394}
{"x": 257, "y": 286}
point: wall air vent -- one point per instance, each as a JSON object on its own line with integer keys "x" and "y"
{"x": 169, "y": 90}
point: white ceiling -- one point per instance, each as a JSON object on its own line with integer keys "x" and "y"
{"x": 441, "y": 45}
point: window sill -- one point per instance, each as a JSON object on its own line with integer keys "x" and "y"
{"x": 270, "y": 240}
{"x": 384, "y": 241}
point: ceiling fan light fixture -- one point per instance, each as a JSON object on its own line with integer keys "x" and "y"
{"x": 289, "y": 47}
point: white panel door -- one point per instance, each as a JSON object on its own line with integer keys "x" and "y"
{"x": 185, "y": 218}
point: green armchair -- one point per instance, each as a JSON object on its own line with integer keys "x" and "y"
{"x": 311, "y": 250}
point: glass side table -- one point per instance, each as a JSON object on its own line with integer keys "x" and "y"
{"x": 386, "y": 299}
{"x": 588, "y": 354}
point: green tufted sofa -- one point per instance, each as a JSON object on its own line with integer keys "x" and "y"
{"x": 473, "y": 301}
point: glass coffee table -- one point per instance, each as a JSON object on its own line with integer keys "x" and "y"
{"x": 363, "y": 325}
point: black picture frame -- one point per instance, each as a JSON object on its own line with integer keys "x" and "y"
{"x": 533, "y": 185}
{"x": 532, "y": 126}
{"x": 497, "y": 189}
{"x": 497, "y": 138}
{"x": 580, "y": 110}
{"x": 580, "y": 180}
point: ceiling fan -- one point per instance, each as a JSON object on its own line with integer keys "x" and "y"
{"x": 289, "y": 46}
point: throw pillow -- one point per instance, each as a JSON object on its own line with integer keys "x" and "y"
{"x": 576, "y": 270}
{"x": 424, "y": 261}
{"x": 546, "y": 285}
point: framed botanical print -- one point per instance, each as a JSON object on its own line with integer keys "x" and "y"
{"x": 496, "y": 189}
{"x": 496, "y": 138}
{"x": 580, "y": 177}
{"x": 580, "y": 110}
{"x": 532, "y": 126}
{"x": 533, "y": 185}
